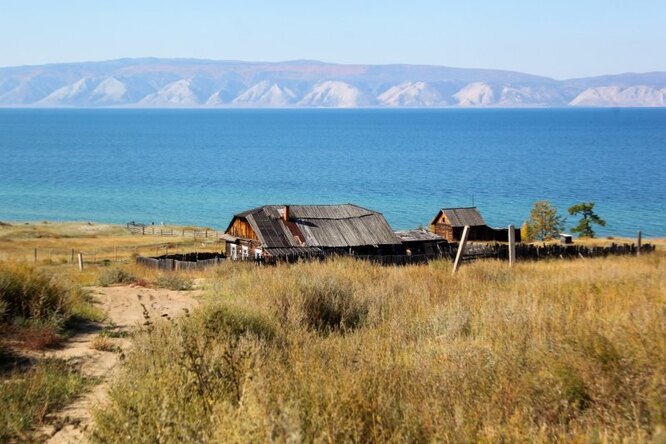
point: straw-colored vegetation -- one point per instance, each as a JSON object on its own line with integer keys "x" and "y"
{"x": 36, "y": 308}
{"x": 345, "y": 351}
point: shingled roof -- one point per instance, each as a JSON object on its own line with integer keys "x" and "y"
{"x": 327, "y": 226}
{"x": 459, "y": 217}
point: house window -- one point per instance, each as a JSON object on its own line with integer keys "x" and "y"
{"x": 233, "y": 252}
{"x": 246, "y": 252}
{"x": 257, "y": 254}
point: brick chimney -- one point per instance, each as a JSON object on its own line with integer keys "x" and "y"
{"x": 285, "y": 213}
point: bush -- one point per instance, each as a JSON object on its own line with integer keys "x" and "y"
{"x": 174, "y": 281}
{"x": 111, "y": 276}
{"x": 331, "y": 306}
{"x": 28, "y": 294}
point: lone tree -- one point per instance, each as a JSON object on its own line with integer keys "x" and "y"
{"x": 584, "y": 227}
{"x": 544, "y": 222}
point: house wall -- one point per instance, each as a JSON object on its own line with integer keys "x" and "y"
{"x": 252, "y": 247}
{"x": 445, "y": 230}
{"x": 241, "y": 228}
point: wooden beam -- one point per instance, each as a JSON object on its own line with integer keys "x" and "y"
{"x": 461, "y": 248}
{"x": 512, "y": 245}
{"x": 640, "y": 239}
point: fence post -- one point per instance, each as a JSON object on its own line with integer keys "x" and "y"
{"x": 512, "y": 245}
{"x": 640, "y": 238}
{"x": 72, "y": 261}
{"x": 35, "y": 255}
{"x": 80, "y": 261}
{"x": 461, "y": 248}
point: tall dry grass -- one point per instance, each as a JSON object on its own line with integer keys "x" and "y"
{"x": 349, "y": 351}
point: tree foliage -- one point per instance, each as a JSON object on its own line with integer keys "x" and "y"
{"x": 544, "y": 222}
{"x": 589, "y": 217}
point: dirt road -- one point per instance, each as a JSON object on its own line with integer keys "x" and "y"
{"x": 123, "y": 306}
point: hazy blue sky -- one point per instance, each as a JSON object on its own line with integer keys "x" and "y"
{"x": 561, "y": 39}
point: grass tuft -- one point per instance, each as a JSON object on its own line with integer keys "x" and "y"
{"x": 27, "y": 397}
{"x": 112, "y": 276}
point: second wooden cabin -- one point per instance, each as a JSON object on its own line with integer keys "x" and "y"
{"x": 450, "y": 222}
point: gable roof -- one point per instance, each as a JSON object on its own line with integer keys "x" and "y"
{"x": 332, "y": 226}
{"x": 459, "y": 217}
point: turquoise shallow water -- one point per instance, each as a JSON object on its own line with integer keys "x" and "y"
{"x": 202, "y": 166}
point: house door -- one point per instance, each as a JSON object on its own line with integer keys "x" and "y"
{"x": 233, "y": 252}
{"x": 246, "y": 252}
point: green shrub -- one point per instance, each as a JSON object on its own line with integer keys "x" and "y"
{"x": 174, "y": 281}
{"x": 237, "y": 322}
{"x": 111, "y": 276}
{"x": 26, "y": 398}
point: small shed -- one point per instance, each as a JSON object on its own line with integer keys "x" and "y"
{"x": 421, "y": 242}
{"x": 566, "y": 239}
{"x": 450, "y": 222}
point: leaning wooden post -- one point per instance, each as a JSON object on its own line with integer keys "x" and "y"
{"x": 35, "y": 255}
{"x": 512, "y": 245}
{"x": 461, "y": 247}
{"x": 80, "y": 261}
{"x": 640, "y": 239}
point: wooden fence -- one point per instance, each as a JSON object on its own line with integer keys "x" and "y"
{"x": 539, "y": 252}
{"x": 473, "y": 251}
{"x": 159, "y": 230}
{"x": 190, "y": 261}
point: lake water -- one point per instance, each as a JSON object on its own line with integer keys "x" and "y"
{"x": 202, "y": 166}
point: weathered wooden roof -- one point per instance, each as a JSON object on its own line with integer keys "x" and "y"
{"x": 459, "y": 217}
{"x": 328, "y": 226}
{"x": 270, "y": 229}
{"x": 418, "y": 236}
{"x": 294, "y": 251}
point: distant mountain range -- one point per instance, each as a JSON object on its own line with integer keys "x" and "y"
{"x": 159, "y": 83}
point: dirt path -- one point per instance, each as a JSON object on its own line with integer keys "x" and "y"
{"x": 124, "y": 311}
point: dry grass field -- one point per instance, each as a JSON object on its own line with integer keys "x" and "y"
{"x": 347, "y": 351}
{"x": 344, "y": 351}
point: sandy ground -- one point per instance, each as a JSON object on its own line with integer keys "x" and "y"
{"x": 124, "y": 313}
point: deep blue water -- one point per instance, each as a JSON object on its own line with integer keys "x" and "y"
{"x": 202, "y": 166}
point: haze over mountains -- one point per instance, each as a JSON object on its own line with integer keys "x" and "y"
{"x": 160, "y": 83}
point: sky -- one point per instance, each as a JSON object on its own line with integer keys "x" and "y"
{"x": 560, "y": 39}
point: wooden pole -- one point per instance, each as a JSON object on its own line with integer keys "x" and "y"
{"x": 512, "y": 245}
{"x": 640, "y": 239}
{"x": 461, "y": 248}
{"x": 35, "y": 255}
{"x": 80, "y": 261}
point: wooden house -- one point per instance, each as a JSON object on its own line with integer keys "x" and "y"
{"x": 287, "y": 232}
{"x": 450, "y": 222}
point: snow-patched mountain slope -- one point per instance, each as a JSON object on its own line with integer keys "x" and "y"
{"x": 530, "y": 96}
{"x": 412, "y": 94}
{"x": 179, "y": 93}
{"x": 267, "y": 94}
{"x": 619, "y": 96}
{"x": 110, "y": 91}
{"x": 73, "y": 94}
{"x": 475, "y": 94}
{"x": 335, "y": 94}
